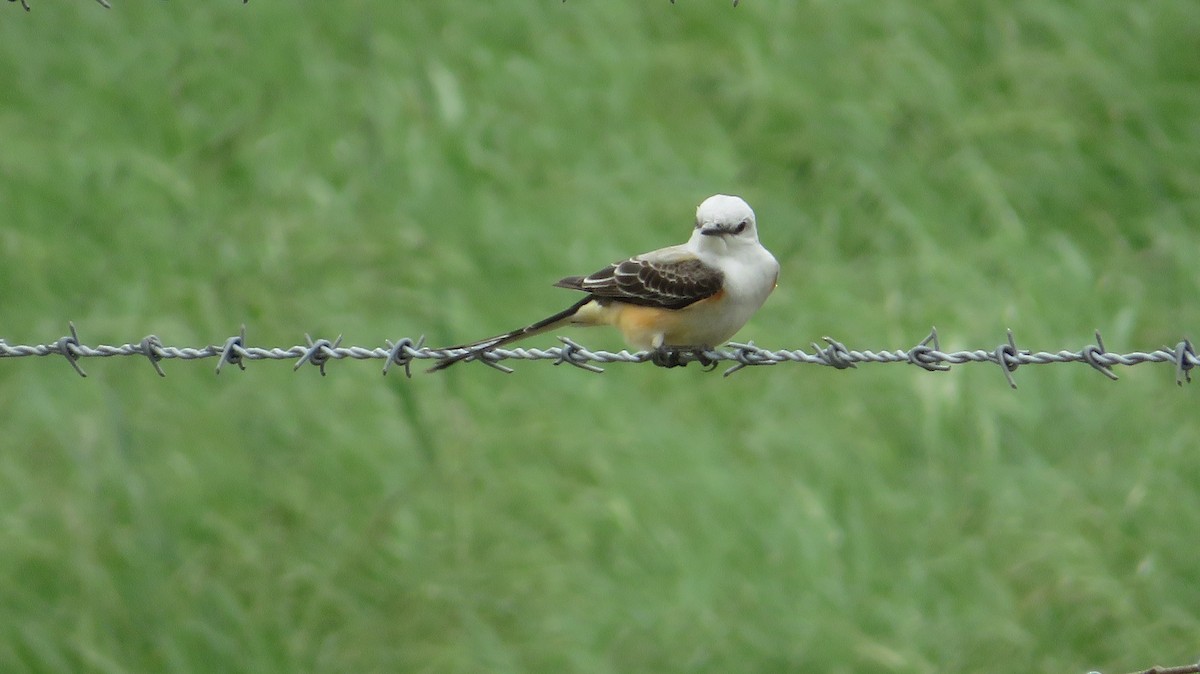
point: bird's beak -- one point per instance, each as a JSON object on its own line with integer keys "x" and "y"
{"x": 711, "y": 230}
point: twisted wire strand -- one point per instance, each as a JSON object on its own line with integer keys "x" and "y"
{"x": 927, "y": 355}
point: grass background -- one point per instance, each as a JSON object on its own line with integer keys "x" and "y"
{"x": 381, "y": 170}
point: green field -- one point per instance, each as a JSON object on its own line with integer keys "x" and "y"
{"x": 381, "y": 170}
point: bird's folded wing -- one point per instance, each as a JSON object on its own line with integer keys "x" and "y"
{"x": 669, "y": 282}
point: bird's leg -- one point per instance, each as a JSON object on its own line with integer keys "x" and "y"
{"x": 663, "y": 356}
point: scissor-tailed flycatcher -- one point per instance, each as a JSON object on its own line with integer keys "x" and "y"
{"x": 692, "y": 296}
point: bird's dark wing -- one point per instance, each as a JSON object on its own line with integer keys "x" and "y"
{"x": 671, "y": 284}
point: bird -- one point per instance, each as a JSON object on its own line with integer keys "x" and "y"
{"x": 689, "y": 297}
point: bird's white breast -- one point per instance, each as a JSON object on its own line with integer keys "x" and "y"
{"x": 750, "y": 276}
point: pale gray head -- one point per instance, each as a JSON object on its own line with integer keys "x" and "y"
{"x": 726, "y": 217}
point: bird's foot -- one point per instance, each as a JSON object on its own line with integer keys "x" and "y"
{"x": 672, "y": 356}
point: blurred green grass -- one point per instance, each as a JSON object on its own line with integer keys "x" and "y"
{"x": 378, "y": 171}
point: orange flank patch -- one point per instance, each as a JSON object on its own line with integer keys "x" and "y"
{"x": 636, "y": 318}
{"x": 643, "y": 327}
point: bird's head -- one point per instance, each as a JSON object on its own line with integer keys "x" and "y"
{"x": 727, "y": 219}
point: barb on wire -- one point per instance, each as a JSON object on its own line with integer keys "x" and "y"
{"x": 232, "y": 352}
{"x": 926, "y": 354}
{"x": 150, "y": 349}
{"x": 398, "y": 353}
{"x": 318, "y": 352}
{"x": 1006, "y": 356}
{"x": 70, "y": 347}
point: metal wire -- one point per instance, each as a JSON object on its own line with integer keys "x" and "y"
{"x": 25, "y": 4}
{"x": 1157, "y": 669}
{"x": 927, "y": 354}
{"x": 106, "y": 5}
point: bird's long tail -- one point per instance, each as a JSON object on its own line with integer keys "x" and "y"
{"x": 545, "y": 325}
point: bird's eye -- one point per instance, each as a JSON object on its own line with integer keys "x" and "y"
{"x": 741, "y": 227}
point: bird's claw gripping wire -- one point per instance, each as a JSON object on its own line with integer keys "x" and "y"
{"x": 674, "y": 356}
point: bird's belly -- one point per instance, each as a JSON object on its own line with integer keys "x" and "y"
{"x": 709, "y": 322}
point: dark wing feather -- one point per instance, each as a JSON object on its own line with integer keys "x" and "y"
{"x": 670, "y": 285}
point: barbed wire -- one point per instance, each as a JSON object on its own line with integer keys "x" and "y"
{"x": 25, "y": 4}
{"x": 103, "y": 3}
{"x": 1159, "y": 669}
{"x": 106, "y": 5}
{"x": 927, "y": 355}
